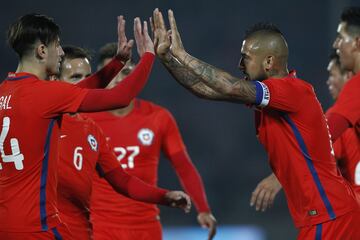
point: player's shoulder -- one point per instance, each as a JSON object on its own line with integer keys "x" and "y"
{"x": 149, "y": 107}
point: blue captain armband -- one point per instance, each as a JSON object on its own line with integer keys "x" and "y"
{"x": 262, "y": 94}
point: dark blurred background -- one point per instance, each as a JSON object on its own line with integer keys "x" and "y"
{"x": 220, "y": 136}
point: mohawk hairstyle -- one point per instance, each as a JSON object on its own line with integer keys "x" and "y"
{"x": 351, "y": 15}
{"x": 30, "y": 28}
{"x": 266, "y": 27}
{"x": 72, "y": 52}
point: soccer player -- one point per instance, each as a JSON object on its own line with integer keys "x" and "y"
{"x": 289, "y": 123}
{"x": 346, "y": 148}
{"x": 83, "y": 147}
{"x": 30, "y": 118}
{"x": 345, "y": 113}
{"x": 138, "y": 133}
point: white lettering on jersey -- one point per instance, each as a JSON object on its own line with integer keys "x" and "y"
{"x": 5, "y": 102}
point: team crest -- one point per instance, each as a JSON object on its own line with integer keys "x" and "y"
{"x": 146, "y": 136}
{"x": 92, "y": 142}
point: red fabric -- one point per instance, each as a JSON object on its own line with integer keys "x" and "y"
{"x": 347, "y": 153}
{"x": 348, "y": 102}
{"x": 122, "y": 94}
{"x": 82, "y": 146}
{"x": 32, "y": 104}
{"x": 345, "y": 227}
{"x": 134, "y": 188}
{"x": 137, "y": 139}
{"x": 61, "y": 229}
{"x": 152, "y": 231}
{"x": 103, "y": 77}
{"x": 293, "y": 130}
{"x": 190, "y": 180}
{"x": 337, "y": 125}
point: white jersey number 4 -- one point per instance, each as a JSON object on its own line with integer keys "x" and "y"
{"x": 16, "y": 157}
{"x": 121, "y": 153}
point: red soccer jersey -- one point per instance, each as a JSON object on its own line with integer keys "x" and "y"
{"x": 137, "y": 139}
{"x": 292, "y": 127}
{"x": 347, "y": 153}
{"x": 82, "y": 146}
{"x": 30, "y": 113}
{"x": 348, "y": 102}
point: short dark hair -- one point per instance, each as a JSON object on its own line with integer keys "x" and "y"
{"x": 265, "y": 27}
{"x": 72, "y": 52}
{"x": 107, "y": 51}
{"x": 30, "y": 28}
{"x": 351, "y": 15}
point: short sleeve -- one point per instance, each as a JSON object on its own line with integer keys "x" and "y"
{"x": 53, "y": 98}
{"x": 284, "y": 94}
{"x": 348, "y": 102}
{"x": 172, "y": 142}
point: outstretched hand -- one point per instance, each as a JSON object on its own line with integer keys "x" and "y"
{"x": 207, "y": 220}
{"x": 124, "y": 46}
{"x": 265, "y": 192}
{"x": 161, "y": 36}
{"x": 142, "y": 38}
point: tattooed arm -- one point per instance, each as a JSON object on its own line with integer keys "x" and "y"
{"x": 226, "y": 85}
{"x": 189, "y": 80}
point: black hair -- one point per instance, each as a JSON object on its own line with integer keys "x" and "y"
{"x": 30, "y": 28}
{"x": 265, "y": 27}
{"x": 351, "y": 15}
{"x": 72, "y": 52}
{"x": 107, "y": 51}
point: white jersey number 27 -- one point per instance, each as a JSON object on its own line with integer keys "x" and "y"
{"x": 121, "y": 152}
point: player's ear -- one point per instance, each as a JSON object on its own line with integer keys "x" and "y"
{"x": 41, "y": 51}
{"x": 268, "y": 63}
{"x": 357, "y": 43}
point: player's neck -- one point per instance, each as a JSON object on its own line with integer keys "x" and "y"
{"x": 357, "y": 66}
{"x": 32, "y": 67}
{"x": 280, "y": 73}
{"x": 124, "y": 111}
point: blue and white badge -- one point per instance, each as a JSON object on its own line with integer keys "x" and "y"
{"x": 145, "y": 136}
{"x": 92, "y": 142}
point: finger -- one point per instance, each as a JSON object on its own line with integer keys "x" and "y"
{"x": 161, "y": 21}
{"x": 145, "y": 29}
{"x": 272, "y": 198}
{"x": 152, "y": 25}
{"x": 137, "y": 30}
{"x": 259, "y": 199}
{"x": 121, "y": 29}
{"x": 212, "y": 230}
{"x": 254, "y": 196}
{"x": 129, "y": 45}
{"x": 265, "y": 201}
{"x": 156, "y": 18}
{"x": 172, "y": 20}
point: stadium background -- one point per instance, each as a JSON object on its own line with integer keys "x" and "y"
{"x": 219, "y": 136}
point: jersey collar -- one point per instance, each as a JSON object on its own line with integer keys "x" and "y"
{"x": 12, "y": 76}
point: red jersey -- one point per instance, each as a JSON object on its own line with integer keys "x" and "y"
{"x": 348, "y": 101}
{"x": 347, "y": 153}
{"x": 30, "y": 113}
{"x": 292, "y": 127}
{"x": 83, "y": 147}
{"x": 137, "y": 139}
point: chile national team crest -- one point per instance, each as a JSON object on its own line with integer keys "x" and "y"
{"x": 92, "y": 142}
{"x": 145, "y": 136}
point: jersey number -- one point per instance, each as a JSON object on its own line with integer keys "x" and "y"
{"x": 16, "y": 157}
{"x": 357, "y": 174}
{"x": 78, "y": 158}
{"x": 121, "y": 153}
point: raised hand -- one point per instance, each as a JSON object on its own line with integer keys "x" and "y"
{"x": 124, "y": 46}
{"x": 265, "y": 192}
{"x": 178, "y": 199}
{"x": 142, "y": 38}
{"x": 161, "y": 36}
{"x": 176, "y": 47}
{"x": 207, "y": 220}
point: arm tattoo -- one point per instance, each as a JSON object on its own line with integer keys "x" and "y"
{"x": 222, "y": 82}
{"x": 190, "y": 80}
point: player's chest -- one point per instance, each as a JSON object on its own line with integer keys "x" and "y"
{"x": 79, "y": 148}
